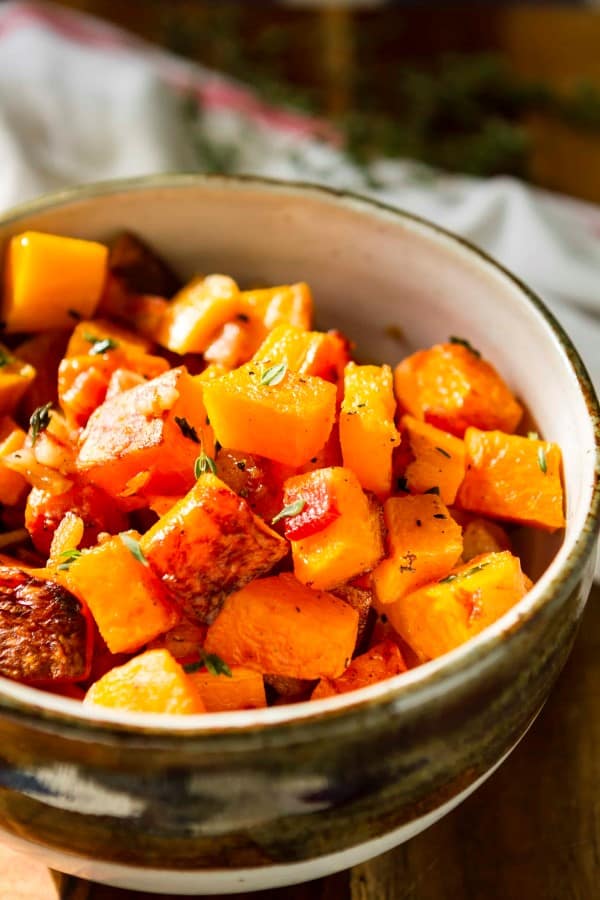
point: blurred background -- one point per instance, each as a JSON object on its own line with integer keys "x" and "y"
{"x": 482, "y": 88}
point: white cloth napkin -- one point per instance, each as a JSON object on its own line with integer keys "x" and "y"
{"x": 82, "y": 101}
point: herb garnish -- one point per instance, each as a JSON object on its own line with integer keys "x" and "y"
{"x": 39, "y": 421}
{"x": 134, "y": 548}
{"x": 213, "y": 663}
{"x": 5, "y": 358}
{"x": 444, "y": 452}
{"x": 541, "y": 457}
{"x": 100, "y": 345}
{"x": 292, "y": 509}
{"x": 203, "y": 465}
{"x": 68, "y": 558}
{"x": 187, "y": 430}
{"x": 464, "y": 343}
{"x": 470, "y": 571}
{"x": 274, "y": 374}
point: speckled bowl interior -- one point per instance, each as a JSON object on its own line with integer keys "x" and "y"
{"x": 369, "y": 268}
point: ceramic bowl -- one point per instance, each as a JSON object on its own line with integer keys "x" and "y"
{"x": 246, "y": 800}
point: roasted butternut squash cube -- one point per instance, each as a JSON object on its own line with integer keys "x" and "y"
{"x": 513, "y": 478}
{"x": 197, "y": 312}
{"x": 43, "y": 351}
{"x": 380, "y": 662}
{"x": 89, "y": 335}
{"x": 438, "y": 459}
{"x": 47, "y": 278}
{"x": 15, "y": 378}
{"x": 243, "y": 689}
{"x": 150, "y": 683}
{"x": 367, "y": 431}
{"x": 128, "y": 602}
{"x": 482, "y": 536}
{"x": 424, "y": 542}
{"x": 283, "y": 416}
{"x": 452, "y": 387}
{"x": 12, "y": 484}
{"x": 208, "y": 545}
{"x": 320, "y": 353}
{"x": 350, "y": 541}
{"x": 146, "y": 430}
{"x": 278, "y": 626}
{"x": 444, "y": 614}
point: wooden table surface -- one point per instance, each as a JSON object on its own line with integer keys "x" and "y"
{"x": 533, "y": 830}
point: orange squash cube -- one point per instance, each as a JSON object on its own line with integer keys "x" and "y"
{"x": 128, "y": 602}
{"x": 288, "y": 420}
{"x": 424, "y": 543}
{"x": 442, "y": 615}
{"x": 244, "y": 689}
{"x": 150, "y": 683}
{"x": 367, "y": 431}
{"x": 86, "y": 335}
{"x": 452, "y": 387}
{"x": 15, "y": 378}
{"x": 143, "y": 430}
{"x": 438, "y": 459}
{"x": 197, "y": 312}
{"x": 278, "y": 626}
{"x": 380, "y": 662}
{"x": 513, "y": 478}
{"x": 352, "y": 541}
{"x": 320, "y": 353}
{"x": 47, "y": 278}
{"x": 209, "y": 544}
{"x": 12, "y": 484}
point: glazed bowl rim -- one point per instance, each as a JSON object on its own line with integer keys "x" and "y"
{"x": 400, "y": 693}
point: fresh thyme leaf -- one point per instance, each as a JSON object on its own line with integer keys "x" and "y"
{"x": 444, "y": 452}
{"x": 464, "y": 343}
{"x": 68, "y": 558}
{"x": 5, "y": 358}
{"x": 542, "y": 463}
{"x": 292, "y": 509}
{"x": 203, "y": 465}
{"x": 191, "y": 667}
{"x": 447, "y": 579}
{"x": 100, "y": 345}
{"x": 39, "y": 421}
{"x": 465, "y": 574}
{"x": 134, "y": 548}
{"x": 274, "y": 374}
{"x": 215, "y": 665}
{"x": 187, "y": 430}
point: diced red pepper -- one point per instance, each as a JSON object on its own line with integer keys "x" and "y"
{"x": 319, "y": 510}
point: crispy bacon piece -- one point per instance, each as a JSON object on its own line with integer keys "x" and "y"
{"x": 45, "y": 632}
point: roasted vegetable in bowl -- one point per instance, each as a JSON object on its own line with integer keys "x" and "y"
{"x": 212, "y": 506}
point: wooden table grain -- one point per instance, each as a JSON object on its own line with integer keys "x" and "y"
{"x": 533, "y": 830}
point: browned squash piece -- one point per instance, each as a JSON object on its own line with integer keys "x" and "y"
{"x": 367, "y": 431}
{"x": 438, "y": 459}
{"x": 380, "y": 662}
{"x": 258, "y": 480}
{"x": 45, "y": 632}
{"x": 424, "y": 542}
{"x": 44, "y": 352}
{"x": 359, "y": 598}
{"x": 140, "y": 268}
{"x": 128, "y": 602}
{"x": 442, "y": 615}
{"x": 44, "y": 512}
{"x": 343, "y": 528}
{"x": 271, "y": 412}
{"x": 16, "y": 376}
{"x": 149, "y": 683}
{"x": 279, "y": 626}
{"x": 208, "y": 545}
{"x": 452, "y": 387}
{"x": 243, "y": 689}
{"x": 197, "y": 312}
{"x": 513, "y": 478}
{"x": 482, "y": 536}
{"x": 155, "y": 428}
